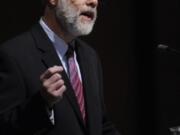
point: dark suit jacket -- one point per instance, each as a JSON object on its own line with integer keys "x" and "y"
{"x": 22, "y": 109}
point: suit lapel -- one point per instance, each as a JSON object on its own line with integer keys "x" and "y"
{"x": 49, "y": 59}
{"x": 90, "y": 89}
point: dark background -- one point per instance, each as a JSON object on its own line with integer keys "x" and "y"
{"x": 142, "y": 86}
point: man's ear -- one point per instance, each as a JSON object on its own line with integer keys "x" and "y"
{"x": 53, "y": 2}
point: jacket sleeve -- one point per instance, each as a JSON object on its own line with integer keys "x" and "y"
{"x": 19, "y": 113}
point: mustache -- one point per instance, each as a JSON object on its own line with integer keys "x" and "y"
{"x": 89, "y": 9}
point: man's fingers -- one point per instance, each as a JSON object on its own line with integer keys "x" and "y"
{"x": 55, "y": 86}
{"x": 50, "y": 71}
{"x": 52, "y": 85}
{"x": 54, "y": 78}
{"x": 59, "y": 93}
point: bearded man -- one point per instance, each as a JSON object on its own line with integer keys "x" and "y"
{"x": 50, "y": 81}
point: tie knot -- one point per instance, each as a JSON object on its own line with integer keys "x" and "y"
{"x": 70, "y": 51}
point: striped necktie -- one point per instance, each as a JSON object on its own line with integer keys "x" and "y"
{"x": 75, "y": 81}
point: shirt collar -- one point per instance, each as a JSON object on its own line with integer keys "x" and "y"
{"x": 59, "y": 44}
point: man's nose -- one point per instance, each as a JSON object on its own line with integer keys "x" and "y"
{"x": 92, "y": 3}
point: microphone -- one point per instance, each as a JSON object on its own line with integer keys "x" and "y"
{"x": 168, "y": 49}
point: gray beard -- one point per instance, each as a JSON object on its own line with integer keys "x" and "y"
{"x": 68, "y": 18}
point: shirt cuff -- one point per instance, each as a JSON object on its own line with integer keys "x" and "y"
{"x": 50, "y": 113}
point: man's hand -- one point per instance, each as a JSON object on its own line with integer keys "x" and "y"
{"x": 52, "y": 85}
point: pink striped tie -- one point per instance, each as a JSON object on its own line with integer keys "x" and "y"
{"x": 75, "y": 81}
